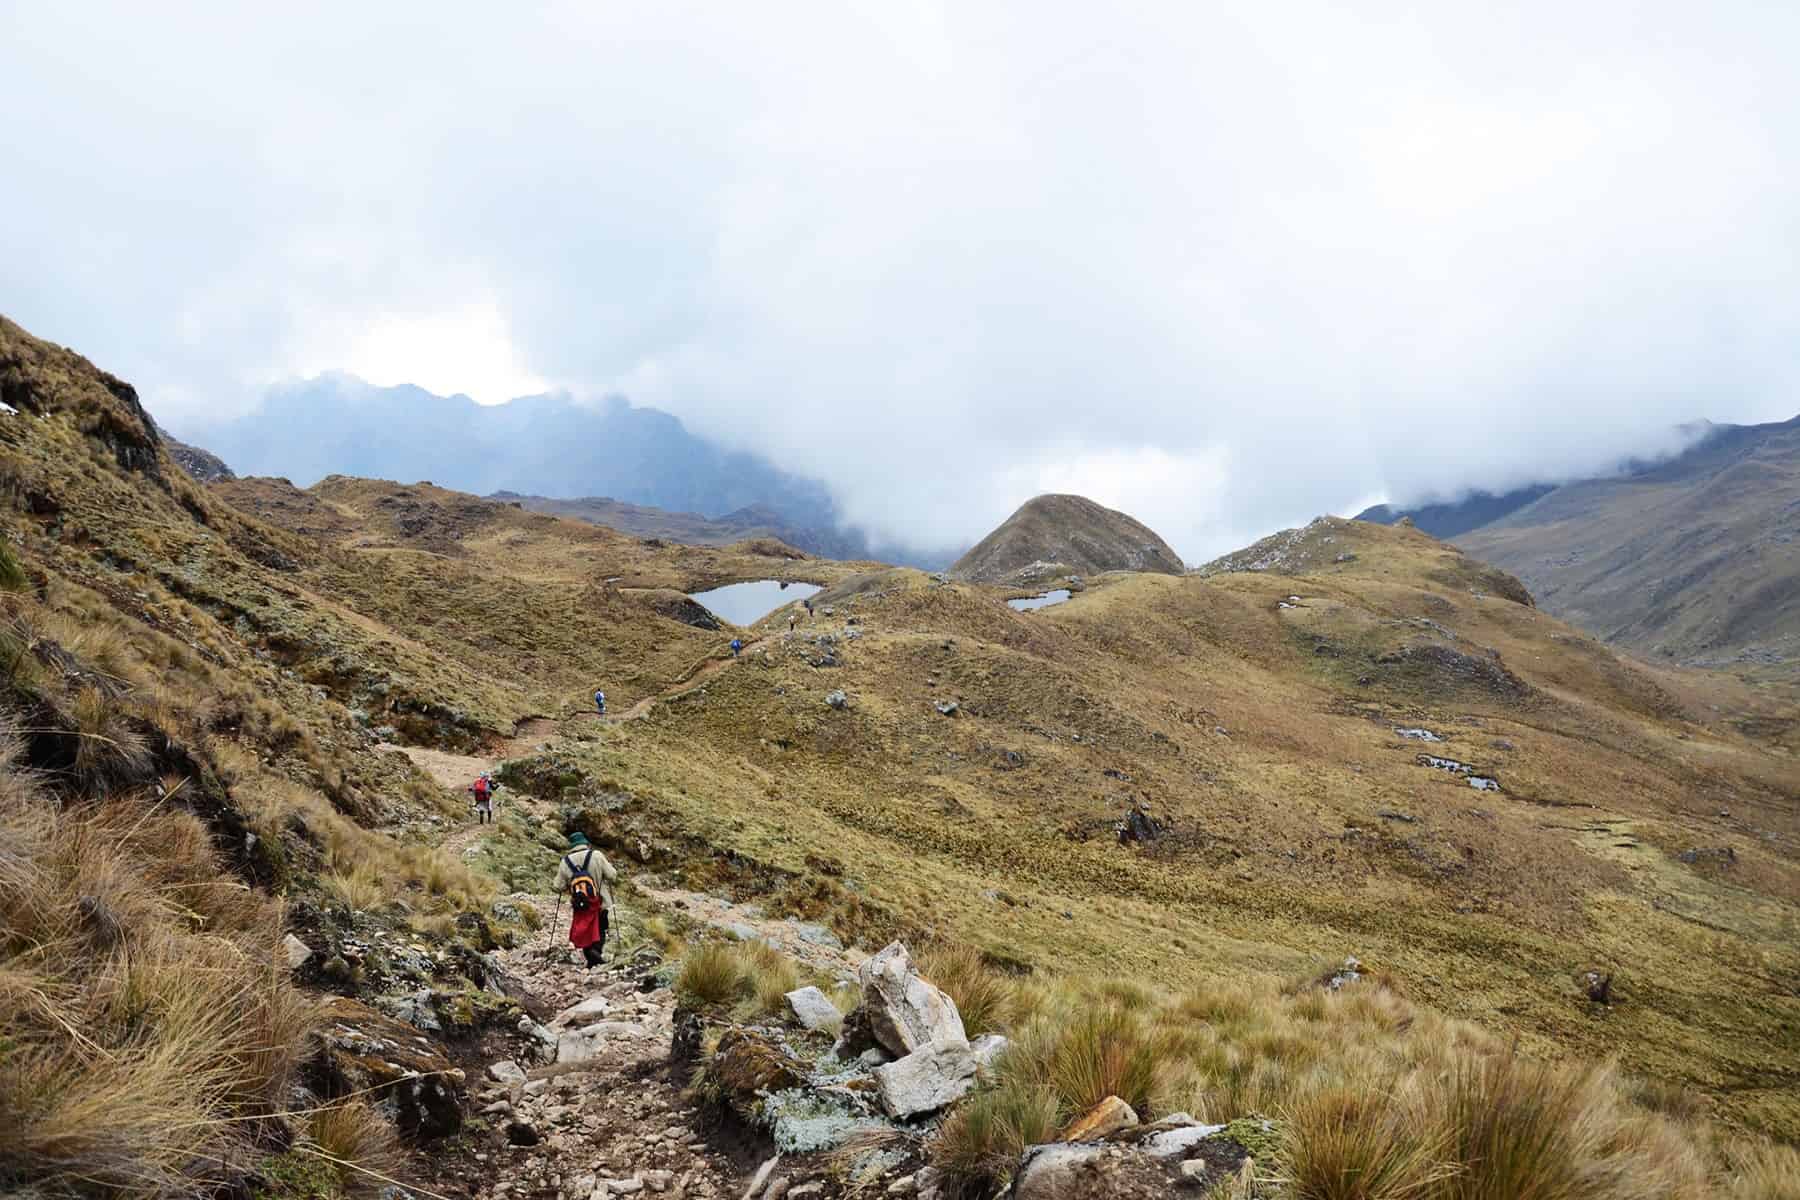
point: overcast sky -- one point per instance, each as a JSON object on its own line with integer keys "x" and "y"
{"x": 1224, "y": 265}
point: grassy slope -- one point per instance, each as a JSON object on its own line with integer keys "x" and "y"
{"x": 1274, "y": 765}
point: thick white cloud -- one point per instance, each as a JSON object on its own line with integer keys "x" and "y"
{"x": 1223, "y": 265}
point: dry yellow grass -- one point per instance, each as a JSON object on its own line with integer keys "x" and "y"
{"x": 145, "y": 1015}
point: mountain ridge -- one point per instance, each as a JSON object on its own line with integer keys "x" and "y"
{"x": 1694, "y": 558}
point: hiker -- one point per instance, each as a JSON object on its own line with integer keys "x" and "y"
{"x": 600, "y": 702}
{"x": 587, "y": 878}
{"x": 737, "y": 644}
{"x": 483, "y": 791}
{"x": 808, "y": 603}
{"x": 792, "y": 617}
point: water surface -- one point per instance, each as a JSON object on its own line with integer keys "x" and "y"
{"x": 1027, "y": 603}
{"x": 748, "y": 603}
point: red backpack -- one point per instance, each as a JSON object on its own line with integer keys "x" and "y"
{"x": 481, "y": 790}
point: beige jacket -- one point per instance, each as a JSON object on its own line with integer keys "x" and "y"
{"x": 604, "y": 873}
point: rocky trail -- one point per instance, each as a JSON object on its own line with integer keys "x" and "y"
{"x": 606, "y": 1114}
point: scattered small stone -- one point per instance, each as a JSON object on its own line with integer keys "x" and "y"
{"x": 507, "y": 1072}
{"x": 1194, "y": 1170}
{"x": 760, "y": 1180}
{"x": 1109, "y": 1116}
{"x": 297, "y": 952}
{"x": 813, "y": 1008}
{"x": 947, "y": 708}
{"x": 522, "y": 1133}
{"x": 838, "y": 699}
{"x": 1349, "y": 973}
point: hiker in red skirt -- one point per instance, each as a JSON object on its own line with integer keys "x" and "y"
{"x": 587, "y": 878}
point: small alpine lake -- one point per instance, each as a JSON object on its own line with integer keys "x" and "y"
{"x": 748, "y": 603}
{"x": 1027, "y": 603}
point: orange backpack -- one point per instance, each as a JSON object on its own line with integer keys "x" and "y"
{"x": 584, "y": 891}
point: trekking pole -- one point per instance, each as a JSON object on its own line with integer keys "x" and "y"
{"x": 548, "y": 951}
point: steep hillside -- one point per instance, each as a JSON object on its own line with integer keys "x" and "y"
{"x": 1055, "y": 535}
{"x": 1138, "y": 833}
{"x": 1696, "y": 559}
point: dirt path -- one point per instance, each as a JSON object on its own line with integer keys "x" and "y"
{"x": 691, "y": 678}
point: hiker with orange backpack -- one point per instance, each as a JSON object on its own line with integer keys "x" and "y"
{"x": 586, "y": 878}
{"x": 483, "y": 791}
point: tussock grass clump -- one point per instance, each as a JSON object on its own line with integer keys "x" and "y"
{"x": 1106, "y": 1052}
{"x": 712, "y": 975}
{"x": 357, "y": 1143}
{"x": 983, "y": 995}
{"x": 147, "y": 1021}
{"x": 771, "y": 975}
{"x": 983, "y": 1138}
{"x": 1762, "y": 1172}
{"x": 12, "y": 575}
{"x": 1355, "y": 1141}
{"x": 751, "y": 978}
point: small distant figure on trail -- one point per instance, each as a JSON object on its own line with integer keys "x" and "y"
{"x": 808, "y": 603}
{"x": 737, "y": 645}
{"x": 600, "y": 702}
{"x": 792, "y": 617}
{"x": 587, "y": 878}
{"x": 483, "y": 791}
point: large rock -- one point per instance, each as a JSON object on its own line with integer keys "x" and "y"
{"x": 1095, "y": 1171}
{"x": 932, "y": 1077}
{"x": 904, "y": 1011}
{"x": 813, "y": 1008}
{"x": 363, "y": 1053}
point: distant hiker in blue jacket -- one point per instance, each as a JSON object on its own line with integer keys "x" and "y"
{"x": 737, "y": 644}
{"x": 600, "y": 702}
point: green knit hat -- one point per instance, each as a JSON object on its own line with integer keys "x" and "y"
{"x": 578, "y": 839}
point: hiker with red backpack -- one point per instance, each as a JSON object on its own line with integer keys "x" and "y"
{"x": 483, "y": 791}
{"x": 586, "y": 878}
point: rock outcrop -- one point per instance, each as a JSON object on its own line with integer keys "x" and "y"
{"x": 904, "y": 1011}
{"x": 363, "y": 1053}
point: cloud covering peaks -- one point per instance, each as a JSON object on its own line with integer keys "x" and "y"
{"x": 1223, "y": 266}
